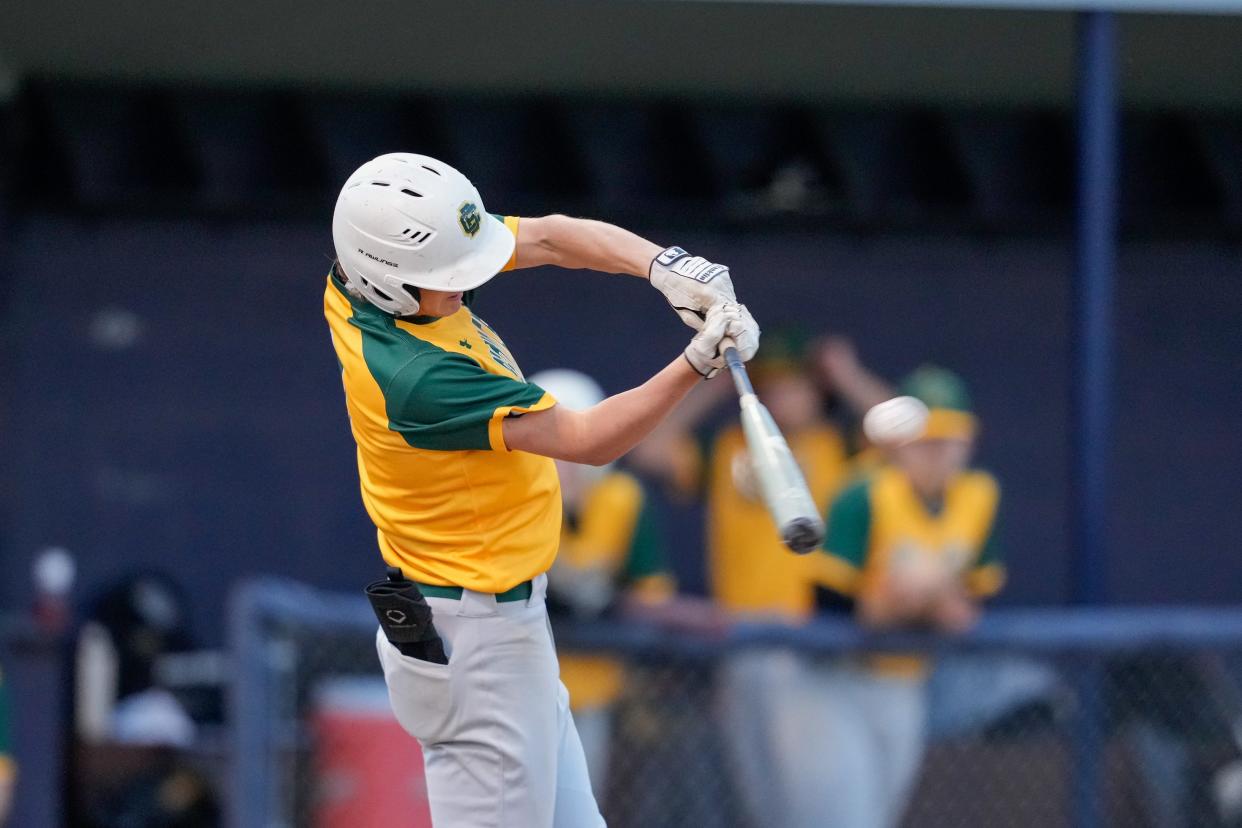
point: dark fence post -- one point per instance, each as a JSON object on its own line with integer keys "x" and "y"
{"x": 1096, "y": 262}
{"x": 37, "y": 680}
{"x": 1092, "y": 393}
{"x": 249, "y": 712}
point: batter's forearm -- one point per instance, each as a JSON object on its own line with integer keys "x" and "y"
{"x": 606, "y": 431}
{"x": 583, "y": 244}
{"x": 621, "y": 422}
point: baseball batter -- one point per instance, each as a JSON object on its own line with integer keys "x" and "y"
{"x": 455, "y": 458}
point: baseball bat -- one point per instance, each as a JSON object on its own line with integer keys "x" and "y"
{"x": 784, "y": 489}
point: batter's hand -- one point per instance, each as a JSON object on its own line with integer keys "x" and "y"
{"x": 727, "y": 319}
{"x": 691, "y": 284}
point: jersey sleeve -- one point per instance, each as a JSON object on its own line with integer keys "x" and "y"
{"x": 848, "y": 534}
{"x": 448, "y": 402}
{"x": 511, "y": 224}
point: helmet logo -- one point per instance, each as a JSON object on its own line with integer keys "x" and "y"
{"x": 469, "y": 219}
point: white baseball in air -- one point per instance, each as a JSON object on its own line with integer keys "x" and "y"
{"x": 895, "y": 422}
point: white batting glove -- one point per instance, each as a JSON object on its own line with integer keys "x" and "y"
{"x": 727, "y": 319}
{"x": 691, "y": 284}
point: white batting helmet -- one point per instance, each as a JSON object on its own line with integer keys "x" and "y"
{"x": 409, "y": 221}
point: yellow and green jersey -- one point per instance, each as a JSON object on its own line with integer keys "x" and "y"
{"x": 426, "y": 399}
{"x": 750, "y": 570}
{"x": 880, "y": 519}
{"x": 616, "y": 529}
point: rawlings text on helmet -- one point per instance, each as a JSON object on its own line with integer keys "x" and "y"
{"x": 378, "y": 259}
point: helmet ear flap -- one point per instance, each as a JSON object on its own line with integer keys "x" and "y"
{"x": 391, "y": 294}
{"x": 416, "y": 294}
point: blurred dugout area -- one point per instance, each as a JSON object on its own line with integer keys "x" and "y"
{"x": 77, "y": 146}
{"x": 1100, "y": 720}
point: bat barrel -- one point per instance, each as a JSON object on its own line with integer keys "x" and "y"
{"x": 803, "y": 535}
{"x": 780, "y": 481}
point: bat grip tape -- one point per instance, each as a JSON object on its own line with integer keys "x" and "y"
{"x": 737, "y": 368}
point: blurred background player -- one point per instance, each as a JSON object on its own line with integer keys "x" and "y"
{"x": 910, "y": 544}
{"x": 611, "y": 562}
{"x": 132, "y": 763}
{"x": 751, "y": 575}
{"x": 610, "y": 551}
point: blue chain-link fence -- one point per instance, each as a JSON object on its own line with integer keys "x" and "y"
{"x": 1038, "y": 717}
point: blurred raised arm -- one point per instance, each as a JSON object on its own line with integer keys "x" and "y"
{"x": 840, "y": 369}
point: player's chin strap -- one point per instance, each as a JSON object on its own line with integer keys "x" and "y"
{"x": 405, "y": 617}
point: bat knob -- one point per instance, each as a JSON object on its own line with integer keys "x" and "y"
{"x": 803, "y": 535}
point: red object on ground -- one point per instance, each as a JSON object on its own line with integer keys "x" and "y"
{"x": 368, "y": 771}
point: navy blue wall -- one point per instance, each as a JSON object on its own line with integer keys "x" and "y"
{"x": 175, "y": 404}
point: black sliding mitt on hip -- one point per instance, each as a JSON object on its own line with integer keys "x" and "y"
{"x": 405, "y": 617}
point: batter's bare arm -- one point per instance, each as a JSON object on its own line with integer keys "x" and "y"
{"x": 691, "y": 284}
{"x": 604, "y": 432}
{"x": 583, "y": 244}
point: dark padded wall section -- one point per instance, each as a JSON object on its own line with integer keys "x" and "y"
{"x": 980, "y": 57}
{"x": 1178, "y": 522}
{"x": 176, "y": 404}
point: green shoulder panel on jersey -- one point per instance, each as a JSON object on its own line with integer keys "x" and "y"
{"x": 988, "y": 575}
{"x": 646, "y": 556}
{"x": 446, "y": 401}
{"x": 435, "y": 399}
{"x": 848, "y": 536}
{"x": 992, "y": 553}
{"x": 849, "y": 523}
